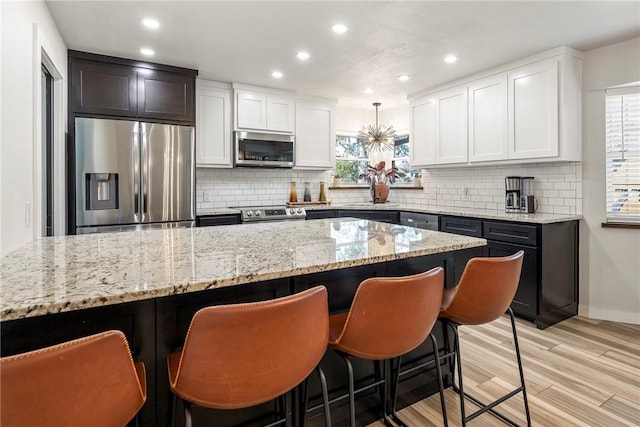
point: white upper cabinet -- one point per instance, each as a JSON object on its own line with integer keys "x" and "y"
{"x": 526, "y": 111}
{"x": 438, "y": 128}
{"x": 315, "y": 135}
{"x": 533, "y": 110}
{"x": 251, "y": 110}
{"x": 488, "y": 119}
{"x": 264, "y": 111}
{"x": 451, "y": 129}
{"x": 280, "y": 114}
{"x": 422, "y": 132}
{"x": 213, "y": 125}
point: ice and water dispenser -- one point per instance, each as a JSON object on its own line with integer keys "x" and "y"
{"x": 102, "y": 191}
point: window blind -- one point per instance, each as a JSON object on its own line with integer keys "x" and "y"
{"x": 623, "y": 154}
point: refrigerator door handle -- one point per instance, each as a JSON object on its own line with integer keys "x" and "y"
{"x": 136, "y": 171}
{"x": 144, "y": 175}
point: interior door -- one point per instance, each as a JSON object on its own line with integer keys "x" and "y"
{"x": 167, "y": 173}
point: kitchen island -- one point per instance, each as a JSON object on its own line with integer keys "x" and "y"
{"x": 148, "y": 284}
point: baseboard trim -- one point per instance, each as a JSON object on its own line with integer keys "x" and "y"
{"x": 611, "y": 315}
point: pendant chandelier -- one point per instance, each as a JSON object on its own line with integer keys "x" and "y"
{"x": 378, "y": 137}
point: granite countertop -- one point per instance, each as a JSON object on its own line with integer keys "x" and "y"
{"x": 56, "y": 274}
{"x": 535, "y": 218}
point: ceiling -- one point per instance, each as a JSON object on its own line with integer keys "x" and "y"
{"x": 241, "y": 41}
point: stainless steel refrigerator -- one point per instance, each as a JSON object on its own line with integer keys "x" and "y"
{"x": 133, "y": 175}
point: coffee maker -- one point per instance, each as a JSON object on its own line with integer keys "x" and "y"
{"x": 527, "y": 201}
{"x": 512, "y": 193}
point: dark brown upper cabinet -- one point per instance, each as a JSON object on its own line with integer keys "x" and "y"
{"x": 108, "y": 86}
{"x": 163, "y": 95}
{"x": 100, "y": 88}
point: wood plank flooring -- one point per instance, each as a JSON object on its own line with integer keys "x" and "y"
{"x": 580, "y": 372}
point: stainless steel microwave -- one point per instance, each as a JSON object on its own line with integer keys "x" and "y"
{"x": 264, "y": 149}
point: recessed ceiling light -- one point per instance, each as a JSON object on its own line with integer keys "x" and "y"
{"x": 147, "y": 52}
{"x": 450, "y": 59}
{"x": 368, "y": 91}
{"x": 276, "y": 75}
{"x": 339, "y": 28}
{"x": 303, "y": 56}
{"x": 151, "y": 23}
{"x": 404, "y": 77}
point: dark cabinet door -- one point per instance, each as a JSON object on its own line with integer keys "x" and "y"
{"x": 525, "y": 303}
{"x": 166, "y": 96}
{"x": 100, "y": 88}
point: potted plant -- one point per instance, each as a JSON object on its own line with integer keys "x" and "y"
{"x": 378, "y": 178}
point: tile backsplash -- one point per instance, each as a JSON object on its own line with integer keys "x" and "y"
{"x": 557, "y": 187}
{"x": 223, "y": 188}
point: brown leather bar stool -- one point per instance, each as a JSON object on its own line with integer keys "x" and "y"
{"x": 242, "y": 355}
{"x": 484, "y": 293}
{"x": 90, "y": 381}
{"x": 389, "y": 317}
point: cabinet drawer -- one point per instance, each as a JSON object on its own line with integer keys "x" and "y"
{"x": 419, "y": 220}
{"x": 319, "y": 214}
{"x": 211, "y": 220}
{"x": 382, "y": 216}
{"x": 511, "y": 233}
{"x": 464, "y": 226}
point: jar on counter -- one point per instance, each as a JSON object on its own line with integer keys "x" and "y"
{"x": 307, "y": 191}
{"x": 293, "y": 195}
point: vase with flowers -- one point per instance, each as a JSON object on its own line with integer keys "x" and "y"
{"x": 378, "y": 178}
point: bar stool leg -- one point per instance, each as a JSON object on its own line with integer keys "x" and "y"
{"x": 352, "y": 404}
{"x": 325, "y": 396}
{"x": 518, "y": 357}
{"x": 187, "y": 414}
{"x": 436, "y": 355}
{"x": 385, "y": 401}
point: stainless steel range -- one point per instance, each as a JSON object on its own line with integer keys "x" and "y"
{"x": 270, "y": 213}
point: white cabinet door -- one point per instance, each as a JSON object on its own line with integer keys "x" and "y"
{"x": 251, "y": 110}
{"x": 423, "y": 132}
{"x": 451, "y": 136}
{"x": 315, "y": 136}
{"x": 488, "y": 119}
{"x": 533, "y": 110}
{"x": 213, "y": 126}
{"x": 280, "y": 114}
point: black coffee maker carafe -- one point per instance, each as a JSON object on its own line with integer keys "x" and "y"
{"x": 512, "y": 194}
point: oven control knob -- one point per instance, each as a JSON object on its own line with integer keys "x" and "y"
{"x": 299, "y": 211}
{"x": 291, "y": 211}
{"x": 258, "y": 213}
{"x": 249, "y": 213}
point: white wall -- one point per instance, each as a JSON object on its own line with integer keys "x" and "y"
{"x": 609, "y": 258}
{"x": 26, "y": 28}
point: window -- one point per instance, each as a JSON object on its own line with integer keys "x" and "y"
{"x": 352, "y": 159}
{"x": 623, "y": 154}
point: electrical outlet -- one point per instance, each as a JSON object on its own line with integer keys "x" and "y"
{"x": 27, "y": 214}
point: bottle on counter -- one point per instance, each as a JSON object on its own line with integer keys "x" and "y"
{"x": 307, "y": 192}
{"x": 323, "y": 196}
{"x": 293, "y": 195}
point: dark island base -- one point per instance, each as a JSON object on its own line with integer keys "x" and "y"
{"x": 156, "y": 327}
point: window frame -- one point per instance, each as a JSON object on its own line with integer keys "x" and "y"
{"x": 631, "y": 219}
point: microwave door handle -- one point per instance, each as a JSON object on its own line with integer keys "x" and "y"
{"x": 136, "y": 172}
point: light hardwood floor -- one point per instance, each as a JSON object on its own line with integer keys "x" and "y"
{"x": 580, "y": 372}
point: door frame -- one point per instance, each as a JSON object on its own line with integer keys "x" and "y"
{"x": 44, "y": 54}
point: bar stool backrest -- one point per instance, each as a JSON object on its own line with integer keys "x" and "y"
{"x": 485, "y": 290}
{"x": 391, "y": 316}
{"x": 241, "y": 355}
{"x": 90, "y": 381}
